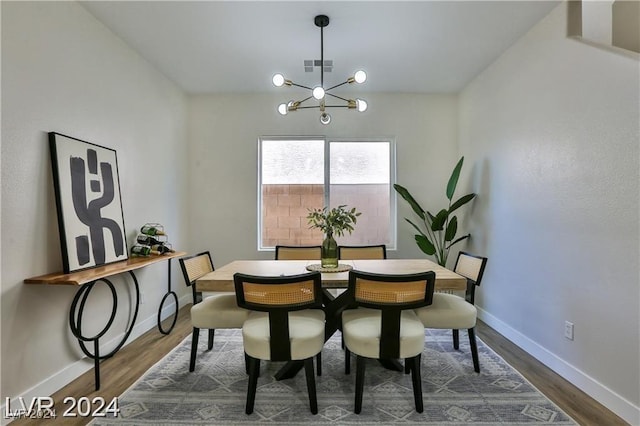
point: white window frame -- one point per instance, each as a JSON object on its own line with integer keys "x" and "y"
{"x": 393, "y": 223}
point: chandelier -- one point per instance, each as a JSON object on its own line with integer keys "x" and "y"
{"x": 319, "y": 93}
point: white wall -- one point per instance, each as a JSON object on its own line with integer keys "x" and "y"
{"x": 223, "y": 155}
{"x": 552, "y": 128}
{"x": 64, "y": 71}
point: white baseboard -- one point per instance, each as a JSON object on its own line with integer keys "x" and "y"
{"x": 614, "y": 402}
{"x": 71, "y": 372}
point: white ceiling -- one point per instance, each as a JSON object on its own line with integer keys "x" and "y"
{"x": 237, "y": 46}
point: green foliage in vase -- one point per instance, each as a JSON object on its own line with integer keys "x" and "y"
{"x": 439, "y": 232}
{"x": 335, "y": 221}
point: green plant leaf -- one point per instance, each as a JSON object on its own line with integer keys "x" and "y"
{"x": 438, "y": 222}
{"x": 453, "y": 180}
{"x": 416, "y": 227}
{"x": 425, "y": 245}
{"x": 452, "y": 228}
{"x": 464, "y": 237}
{"x": 461, "y": 202}
{"x": 409, "y": 199}
{"x": 335, "y": 221}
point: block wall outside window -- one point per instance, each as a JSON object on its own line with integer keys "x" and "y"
{"x": 285, "y": 210}
{"x": 284, "y": 214}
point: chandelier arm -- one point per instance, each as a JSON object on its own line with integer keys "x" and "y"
{"x": 336, "y": 106}
{"x": 304, "y": 100}
{"x": 309, "y": 107}
{"x": 337, "y": 85}
{"x": 337, "y": 97}
{"x": 300, "y": 85}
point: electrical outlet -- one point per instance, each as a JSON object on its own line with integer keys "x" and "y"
{"x": 568, "y": 330}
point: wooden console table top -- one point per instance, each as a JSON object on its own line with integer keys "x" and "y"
{"x": 89, "y": 275}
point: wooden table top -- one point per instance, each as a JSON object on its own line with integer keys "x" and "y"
{"x": 87, "y": 275}
{"x": 222, "y": 278}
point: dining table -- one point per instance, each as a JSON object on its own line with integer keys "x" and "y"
{"x": 221, "y": 280}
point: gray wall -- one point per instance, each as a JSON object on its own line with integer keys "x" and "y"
{"x": 552, "y": 130}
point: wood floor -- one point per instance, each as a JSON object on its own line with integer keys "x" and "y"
{"x": 121, "y": 371}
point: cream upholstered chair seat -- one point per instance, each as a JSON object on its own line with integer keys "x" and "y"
{"x": 362, "y": 333}
{"x": 219, "y": 310}
{"x": 306, "y": 334}
{"x": 448, "y": 311}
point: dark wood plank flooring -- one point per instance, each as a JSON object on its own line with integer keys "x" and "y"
{"x": 121, "y": 371}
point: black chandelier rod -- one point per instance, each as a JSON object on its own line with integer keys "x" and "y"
{"x": 322, "y": 56}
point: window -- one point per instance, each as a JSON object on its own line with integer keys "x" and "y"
{"x": 298, "y": 174}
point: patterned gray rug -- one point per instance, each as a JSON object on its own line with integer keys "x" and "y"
{"x": 453, "y": 393}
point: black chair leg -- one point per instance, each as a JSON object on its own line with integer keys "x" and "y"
{"x": 311, "y": 385}
{"x": 417, "y": 382}
{"x": 407, "y": 366}
{"x": 194, "y": 348}
{"x": 247, "y": 363}
{"x": 474, "y": 349}
{"x": 319, "y": 363}
{"x": 210, "y": 343}
{"x": 254, "y": 372}
{"x": 456, "y": 339}
{"x": 359, "y": 383}
{"x": 347, "y": 361}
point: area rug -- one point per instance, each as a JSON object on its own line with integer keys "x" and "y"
{"x": 215, "y": 393}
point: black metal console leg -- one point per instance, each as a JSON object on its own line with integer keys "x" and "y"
{"x": 76, "y": 313}
{"x": 172, "y": 294}
{"x": 96, "y": 363}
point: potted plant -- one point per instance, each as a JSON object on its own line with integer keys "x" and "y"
{"x": 439, "y": 232}
{"x": 332, "y": 222}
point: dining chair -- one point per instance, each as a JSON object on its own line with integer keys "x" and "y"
{"x": 287, "y": 323}
{"x": 298, "y": 252}
{"x": 384, "y": 324}
{"x": 450, "y": 311}
{"x": 378, "y": 251}
{"x": 216, "y": 311}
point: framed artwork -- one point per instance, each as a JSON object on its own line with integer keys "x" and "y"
{"x": 87, "y": 189}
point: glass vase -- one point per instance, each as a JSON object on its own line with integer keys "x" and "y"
{"x": 329, "y": 252}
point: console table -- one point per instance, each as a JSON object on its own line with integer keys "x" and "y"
{"x": 86, "y": 280}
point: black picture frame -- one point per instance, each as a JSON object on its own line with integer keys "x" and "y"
{"x": 88, "y": 202}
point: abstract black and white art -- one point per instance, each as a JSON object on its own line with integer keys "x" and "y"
{"x": 88, "y": 201}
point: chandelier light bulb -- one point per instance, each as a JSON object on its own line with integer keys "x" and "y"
{"x": 282, "y": 109}
{"x": 360, "y": 76}
{"x": 318, "y": 92}
{"x": 278, "y": 80}
{"x": 362, "y": 105}
{"x": 325, "y": 118}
